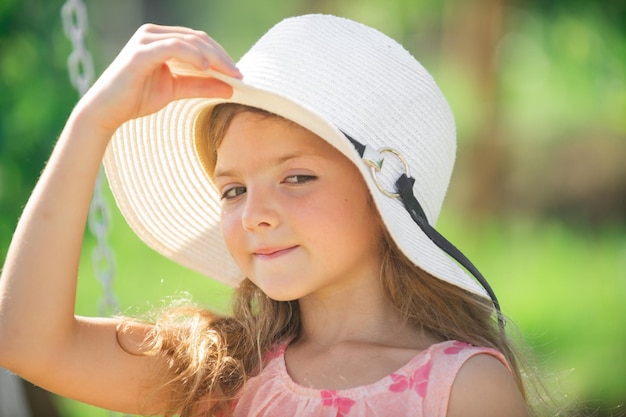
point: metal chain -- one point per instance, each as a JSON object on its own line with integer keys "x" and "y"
{"x": 79, "y": 63}
{"x": 81, "y": 72}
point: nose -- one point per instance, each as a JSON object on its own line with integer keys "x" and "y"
{"x": 259, "y": 211}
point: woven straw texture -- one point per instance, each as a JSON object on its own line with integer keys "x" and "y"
{"x": 328, "y": 74}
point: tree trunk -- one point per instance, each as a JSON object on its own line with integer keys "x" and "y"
{"x": 471, "y": 35}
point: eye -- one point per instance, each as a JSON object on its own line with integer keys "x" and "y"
{"x": 233, "y": 192}
{"x": 299, "y": 179}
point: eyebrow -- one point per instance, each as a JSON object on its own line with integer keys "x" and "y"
{"x": 275, "y": 162}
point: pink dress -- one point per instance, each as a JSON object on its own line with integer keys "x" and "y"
{"x": 420, "y": 388}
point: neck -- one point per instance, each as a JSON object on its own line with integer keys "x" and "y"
{"x": 360, "y": 314}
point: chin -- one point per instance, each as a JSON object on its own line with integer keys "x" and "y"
{"x": 281, "y": 295}
{"x": 280, "y": 292}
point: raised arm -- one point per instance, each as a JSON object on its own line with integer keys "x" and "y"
{"x": 40, "y": 337}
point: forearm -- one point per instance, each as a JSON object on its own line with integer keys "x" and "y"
{"x": 38, "y": 284}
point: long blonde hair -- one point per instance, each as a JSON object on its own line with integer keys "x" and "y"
{"x": 209, "y": 356}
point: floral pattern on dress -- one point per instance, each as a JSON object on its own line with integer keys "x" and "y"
{"x": 417, "y": 382}
{"x": 331, "y": 399}
{"x": 420, "y": 388}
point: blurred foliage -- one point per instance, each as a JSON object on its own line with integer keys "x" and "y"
{"x": 544, "y": 106}
{"x": 563, "y": 74}
{"x": 35, "y": 99}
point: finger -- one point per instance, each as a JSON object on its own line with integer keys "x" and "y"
{"x": 200, "y": 87}
{"x": 215, "y": 44}
{"x": 154, "y": 28}
{"x": 198, "y": 50}
{"x": 151, "y": 33}
{"x": 171, "y": 30}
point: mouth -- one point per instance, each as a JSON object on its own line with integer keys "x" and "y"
{"x": 272, "y": 253}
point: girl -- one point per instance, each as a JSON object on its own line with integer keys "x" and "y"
{"x": 309, "y": 176}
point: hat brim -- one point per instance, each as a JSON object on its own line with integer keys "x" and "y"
{"x": 167, "y": 198}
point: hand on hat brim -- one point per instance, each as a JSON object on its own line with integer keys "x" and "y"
{"x": 140, "y": 80}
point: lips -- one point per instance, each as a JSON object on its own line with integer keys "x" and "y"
{"x": 273, "y": 252}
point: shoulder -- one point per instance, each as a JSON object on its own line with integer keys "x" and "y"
{"x": 485, "y": 387}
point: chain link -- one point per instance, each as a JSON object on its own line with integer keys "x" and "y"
{"x": 81, "y": 72}
{"x": 79, "y": 63}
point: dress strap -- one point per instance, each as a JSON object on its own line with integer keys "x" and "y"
{"x": 447, "y": 359}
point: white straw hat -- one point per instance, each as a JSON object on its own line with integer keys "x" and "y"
{"x": 350, "y": 84}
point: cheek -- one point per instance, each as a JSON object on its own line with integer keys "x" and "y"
{"x": 229, "y": 228}
{"x": 342, "y": 215}
{"x": 360, "y": 212}
{"x": 355, "y": 198}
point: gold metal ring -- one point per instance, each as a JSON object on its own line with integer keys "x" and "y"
{"x": 376, "y": 167}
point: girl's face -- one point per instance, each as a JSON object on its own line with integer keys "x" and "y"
{"x": 296, "y": 214}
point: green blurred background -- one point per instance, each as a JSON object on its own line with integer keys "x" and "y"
{"x": 538, "y": 198}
